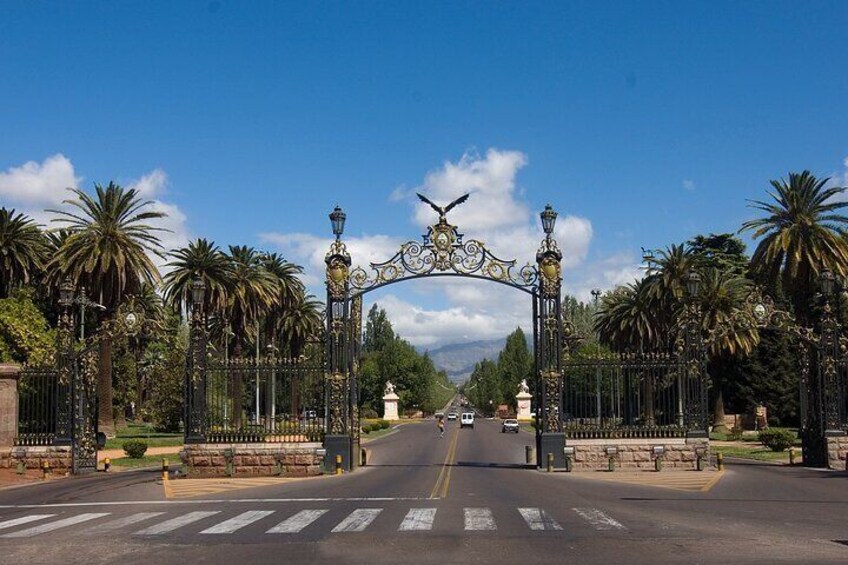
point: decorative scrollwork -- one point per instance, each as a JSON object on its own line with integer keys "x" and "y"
{"x": 444, "y": 251}
{"x": 337, "y": 399}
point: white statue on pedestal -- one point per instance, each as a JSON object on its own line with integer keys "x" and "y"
{"x": 522, "y": 401}
{"x": 390, "y": 402}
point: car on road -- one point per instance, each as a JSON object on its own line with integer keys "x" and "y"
{"x": 452, "y": 415}
{"x": 467, "y": 420}
{"x": 509, "y": 425}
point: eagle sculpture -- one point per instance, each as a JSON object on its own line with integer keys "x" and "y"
{"x": 443, "y": 210}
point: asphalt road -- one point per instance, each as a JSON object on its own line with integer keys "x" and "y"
{"x": 464, "y": 498}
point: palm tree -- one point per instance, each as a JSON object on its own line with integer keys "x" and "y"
{"x": 300, "y": 322}
{"x": 290, "y": 291}
{"x": 253, "y": 290}
{"x": 23, "y": 249}
{"x": 109, "y": 251}
{"x": 723, "y": 295}
{"x": 627, "y": 319}
{"x": 802, "y": 234}
{"x": 200, "y": 259}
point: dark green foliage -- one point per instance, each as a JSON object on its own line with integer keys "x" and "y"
{"x": 135, "y": 448}
{"x": 24, "y": 334}
{"x": 776, "y": 439}
{"x": 515, "y": 363}
{"x": 368, "y": 414}
{"x": 378, "y": 331}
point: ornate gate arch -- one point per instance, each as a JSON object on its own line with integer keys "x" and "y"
{"x": 443, "y": 252}
{"x": 823, "y": 367}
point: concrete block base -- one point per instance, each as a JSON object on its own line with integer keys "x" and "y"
{"x": 837, "y": 452}
{"x": 252, "y": 460}
{"x": 635, "y": 454}
{"x": 59, "y": 458}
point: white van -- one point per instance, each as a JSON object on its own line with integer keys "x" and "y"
{"x": 466, "y": 420}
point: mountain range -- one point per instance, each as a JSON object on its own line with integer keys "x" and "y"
{"x": 458, "y": 359}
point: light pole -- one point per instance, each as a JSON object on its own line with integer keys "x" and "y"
{"x": 596, "y": 295}
{"x": 84, "y": 303}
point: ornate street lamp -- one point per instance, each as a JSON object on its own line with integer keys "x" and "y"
{"x": 198, "y": 291}
{"x": 693, "y": 284}
{"x": 549, "y": 217}
{"x": 828, "y": 282}
{"x": 66, "y": 293}
{"x": 337, "y": 218}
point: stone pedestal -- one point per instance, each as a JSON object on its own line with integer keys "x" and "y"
{"x": 202, "y": 460}
{"x": 390, "y": 407}
{"x": 9, "y": 375}
{"x": 522, "y": 401}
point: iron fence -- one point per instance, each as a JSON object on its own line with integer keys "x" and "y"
{"x": 269, "y": 401}
{"x": 630, "y": 396}
{"x": 38, "y": 403}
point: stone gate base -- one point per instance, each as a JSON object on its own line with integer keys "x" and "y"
{"x": 837, "y": 452}
{"x": 633, "y": 454}
{"x": 59, "y": 458}
{"x": 252, "y": 459}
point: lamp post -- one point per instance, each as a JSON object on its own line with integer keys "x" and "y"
{"x": 549, "y": 217}
{"x": 337, "y": 218}
{"x": 596, "y": 295}
{"x": 84, "y": 303}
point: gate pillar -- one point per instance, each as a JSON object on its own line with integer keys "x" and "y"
{"x": 550, "y": 438}
{"x": 337, "y": 418}
{"x": 195, "y": 384}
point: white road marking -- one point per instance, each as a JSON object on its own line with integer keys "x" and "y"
{"x": 297, "y": 522}
{"x": 119, "y": 523}
{"x": 598, "y": 519}
{"x": 214, "y": 501}
{"x": 418, "y": 519}
{"x": 174, "y": 523}
{"x": 479, "y": 519}
{"x": 539, "y": 520}
{"x": 23, "y": 520}
{"x": 237, "y": 522}
{"x": 52, "y": 526}
{"x": 357, "y": 520}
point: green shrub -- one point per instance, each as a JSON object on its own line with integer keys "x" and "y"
{"x": 366, "y": 429}
{"x": 135, "y": 448}
{"x": 735, "y": 434}
{"x": 776, "y": 439}
{"x": 369, "y": 414}
{"x": 384, "y": 424}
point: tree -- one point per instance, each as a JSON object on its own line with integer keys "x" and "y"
{"x": 108, "y": 251}
{"x": 24, "y": 333}
{"x": 378, "y": 330}
{"x": 515, "y": 363}
{"x": 627, "y": 319}
{"x": 802, "y": 233}
{"x": 23, "y": 249}
{"x": 203, "y": 260}
{"x": 724, "y": 252}
{"x": 582, "y": 316}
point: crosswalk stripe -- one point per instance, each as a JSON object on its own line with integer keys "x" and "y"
{"x": 119, "y": 523}
{"x": 357, "y": 520}
{"x": 538, "y": 519}
{"x": 23, "y": 520}
{"x": 52, "y": 526}
{"x": 294, "y": 524}
{"x": 479, "y": 519}
{"x": 174, "y": 523}
{"x": 418, "y": 519}
{"x": 598, "y": 519}
{"x": 237, "y": 522}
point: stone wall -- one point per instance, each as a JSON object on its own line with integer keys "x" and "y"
{"x": 837, "y": 452}
{"x": 635, "y": 454}
{"x": 252, "y": 460}
{"x": 60, "y": 458}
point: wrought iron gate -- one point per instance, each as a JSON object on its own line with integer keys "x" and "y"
{"x": 84, "y": 400}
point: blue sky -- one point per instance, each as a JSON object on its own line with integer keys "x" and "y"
{"x": 645, "y": 123}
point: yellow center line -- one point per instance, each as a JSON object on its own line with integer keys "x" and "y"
{"x": 451, "y": 460}
{"x": 445, "y": 466}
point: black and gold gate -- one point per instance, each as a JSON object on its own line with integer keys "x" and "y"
{"x": 443, "y": 252}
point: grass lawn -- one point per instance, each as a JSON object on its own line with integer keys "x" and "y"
{"x": 146, "y": 433}
{"x": 757, "y": 452}
{"x": 146, "y": 461}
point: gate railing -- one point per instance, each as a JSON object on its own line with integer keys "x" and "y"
{"x": 631, "y": 396}
{"x": 38, "y": 405}
{"x": 274, "y": 400}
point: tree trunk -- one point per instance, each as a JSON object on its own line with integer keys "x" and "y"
{"x": 718, "y": 413}
{"x": 105, "y": 416}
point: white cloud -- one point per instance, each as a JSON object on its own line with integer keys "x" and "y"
{"x": 175, "y": 222}
{"x": 152, "y": 184}
{"x": 34, "y": 186}
{"x": 689, "y": 185}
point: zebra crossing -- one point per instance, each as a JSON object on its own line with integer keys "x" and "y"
{"x": 276, "y": 523}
